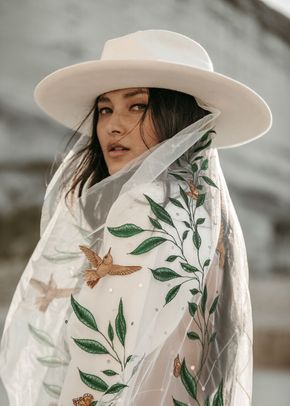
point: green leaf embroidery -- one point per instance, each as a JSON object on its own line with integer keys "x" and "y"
{"x": 188, "y": 380}
{"x": 176, "y": 202}
{"x": 117, "y": 387}
{"x": 194, "y": 291}
{"x": 200, "y": 221}
{"x": 218, "y": 398}
{"x": 200, "y": 199}
{"x": 41, "y": 336}
{"x": 91, "y": 346}
{"x": 120, "y": 324}
{"x": 194, "y": 168}
{"x": 206, "y": 136}
{"x": 110, "y": 332}
{"x": 84, "y": 315}
{"x": 148, "y": 245}
{"x": 206, "y": 263}
{"x": 155, "y": 223}
{"x": 188, "y": 267}
{"x": 52, "y": 361}
{"x": 178, "y": 403}
{"x": 183, "y": 195}
{"x": 128, "y": 359}
{"x": 192, "y": 307}
{"x": 93, "y": 381}
{"x": 203, "y": 146}
{"x": 164, "y": 274}
{"x": 172, "y": 293}
{"x": 52, "y": 390}
{"x": 193, "y": 335}
{"x": 59, "y": 255}
{"x": 172, "y": 258}
{"x": 214, "y": 305}
{"x": 109, "y": 372}
{"x": 177, "y": 176}
{"x": 204, "y": 165}
{"x": 204, "y": 299}
{"x": 184, "y": 235}
{"x": 198, "y": 158}
{"x": 196, "y": 239}
{"x": 159, "y": 211}
{"x": 125, "y": 230}
{"x": 209, "y": 181}
{"x": 187, "y": 224}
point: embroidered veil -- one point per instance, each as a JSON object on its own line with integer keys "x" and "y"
{"x": 138, "y": 293}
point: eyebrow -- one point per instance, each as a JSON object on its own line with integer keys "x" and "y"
{"x": 125, "y": 96}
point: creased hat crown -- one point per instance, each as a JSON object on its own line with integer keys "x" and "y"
{"x": 158, "y": 45}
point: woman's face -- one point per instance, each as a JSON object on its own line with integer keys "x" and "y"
{"x": 119, "y": 113}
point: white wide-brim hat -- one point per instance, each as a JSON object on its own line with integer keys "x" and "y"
{"x": 162, "y": 59}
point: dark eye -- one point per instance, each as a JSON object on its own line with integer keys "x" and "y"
{"x": 141, "y": 105}
{"x": 101, "y": 111}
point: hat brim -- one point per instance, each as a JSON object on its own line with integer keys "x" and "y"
{"x": 68, "y": 94}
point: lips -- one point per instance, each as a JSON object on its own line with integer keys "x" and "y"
{"x": 116, "y": 150}
{"x": 117, "y": 147}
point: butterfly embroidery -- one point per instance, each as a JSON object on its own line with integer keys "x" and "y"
{"x": 193, "y": 191}
{"x": 102, "y": 267}
{"x": 50, "y": 291}
{"x": 176, "y": 366}
{"x": 85, "y": 400}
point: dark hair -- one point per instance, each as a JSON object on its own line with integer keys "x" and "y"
{"x": 170, "y": 110}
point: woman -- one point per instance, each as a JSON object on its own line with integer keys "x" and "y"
{"x": 137, "y": 292}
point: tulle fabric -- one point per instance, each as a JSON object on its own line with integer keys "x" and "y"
{"x": 176, "y": 332}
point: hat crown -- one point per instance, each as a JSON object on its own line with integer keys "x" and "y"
{"x": 159, "y": 45}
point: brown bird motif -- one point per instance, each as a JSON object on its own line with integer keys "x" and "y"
{"x": 85, "y": 400}
{"x": 50, "y": 292}
{"x": 193, "y": 191}
{"x": 176, "y": 366}
{"x": 102, "y": 267}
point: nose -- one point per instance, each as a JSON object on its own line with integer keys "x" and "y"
{"x": 116, "y": 124}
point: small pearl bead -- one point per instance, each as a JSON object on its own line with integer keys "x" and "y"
{"x": 140, "y": 285}
{"x": 110, "y": 289}
{"x": 203, "y": 388}
{"x": 192, "y": 367}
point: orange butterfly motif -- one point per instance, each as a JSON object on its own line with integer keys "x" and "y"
{"x": 85, "y": 400}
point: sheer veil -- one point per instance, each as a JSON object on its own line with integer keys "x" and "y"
{"x": 169, "y": 214}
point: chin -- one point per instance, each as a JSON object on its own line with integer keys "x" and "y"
{"x": 114, "y": 170}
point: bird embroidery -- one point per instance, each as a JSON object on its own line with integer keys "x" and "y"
{"x": 193, "y": 191}
{"x": 176, "y": 366}
{"x": 85, "y": 400}
{"x": 102, "y": 267}
{"x": 50, "y": 291}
